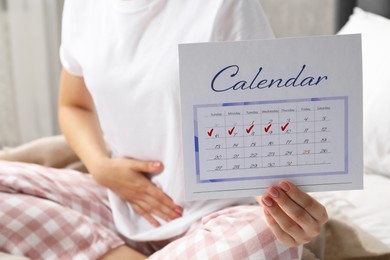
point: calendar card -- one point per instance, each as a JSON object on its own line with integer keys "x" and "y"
{"x": 258, "y": 112}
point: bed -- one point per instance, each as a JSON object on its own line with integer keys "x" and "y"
{"x": 359, "y": 225}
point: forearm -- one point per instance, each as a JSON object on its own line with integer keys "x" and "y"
{"x": 82, "y": 131}
{"x": 79, "y": 123}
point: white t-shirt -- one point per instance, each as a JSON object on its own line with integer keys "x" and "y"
{"x": 127, "y": 52}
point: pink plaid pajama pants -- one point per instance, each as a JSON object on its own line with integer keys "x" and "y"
{"x": 48, "y": 213}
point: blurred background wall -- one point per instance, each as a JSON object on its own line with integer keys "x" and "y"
{"x": 29, "y": 69}
{"x": 29, "y": 63}
{"x": 301, "y": 17}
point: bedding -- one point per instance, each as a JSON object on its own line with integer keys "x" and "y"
{"x": 359, "y": 223}
{"x": 366, "y": 212}
{"x": 369, "y": 208}
{"x": 375, "y": 32}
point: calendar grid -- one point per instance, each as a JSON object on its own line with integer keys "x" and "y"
{"x": 243, "y": 138}
{"x": 264, "y": 139}
{"x": 225, "y": 143}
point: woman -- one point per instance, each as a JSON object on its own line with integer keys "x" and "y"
{"x": 120, "y": 81}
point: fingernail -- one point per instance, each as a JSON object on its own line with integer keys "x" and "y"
{"x": 174, "y": 214}
{"x": 156, "y": 164}
{"x": 268, "y": 201}
{"x": 284, "y": 186}
{"x": 179, "y": 210}
{"x": 274, "y": 192}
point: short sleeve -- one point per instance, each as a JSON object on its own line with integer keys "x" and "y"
{"x": 241, "y": 20}
{"x": 69, "y": 32}
{"x": 69, "y": 63}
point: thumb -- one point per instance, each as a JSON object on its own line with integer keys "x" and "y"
{"x": 152, "y": 167}
{"x": 155, "y": 167}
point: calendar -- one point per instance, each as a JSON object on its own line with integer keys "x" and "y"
{"x": 250, "y": 121}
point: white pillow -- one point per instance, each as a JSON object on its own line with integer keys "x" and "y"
{"x": 375, "y": 32}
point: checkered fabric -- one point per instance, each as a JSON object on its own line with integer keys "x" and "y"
{"x": 234, "y": 233}
{"x": 47, "y": 213}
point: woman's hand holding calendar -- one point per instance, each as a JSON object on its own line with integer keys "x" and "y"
{"x": 294, "y": 217}
{"x": 128, "y": 179}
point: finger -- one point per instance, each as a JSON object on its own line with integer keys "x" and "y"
{"x": 165, "y": 212}
{"x": 147, "y": 207}
{"x": 282, "y": 236}
{"x": 147, "y": 166}
{"x": 163, "y": 199}
{"x": 151, "y": 205}
{"x": 146, "y": 215}
{"x": 287, "y": 224}
{"x": 294, "y": 211}
{"x": 313, "y": 207}
{"x": 154, "y": 200}
{"x": 150, "y": 193}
